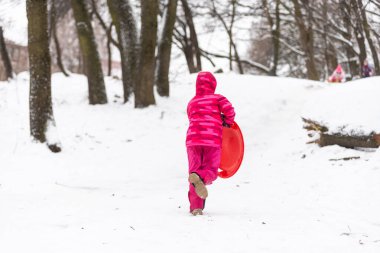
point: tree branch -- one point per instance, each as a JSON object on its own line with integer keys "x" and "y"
{"x": 253, "y": 64}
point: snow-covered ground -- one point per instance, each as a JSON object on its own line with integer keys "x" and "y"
{"x": 120, "y": 184}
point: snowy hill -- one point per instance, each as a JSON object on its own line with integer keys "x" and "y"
{"x": 120, "y": 184}
{"x": 350, "y": 107}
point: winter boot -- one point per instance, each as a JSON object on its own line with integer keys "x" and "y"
{"x": 200, "y": 187}
{"x": 196, "y": 212}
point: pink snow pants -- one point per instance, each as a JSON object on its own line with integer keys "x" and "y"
{"x": 204, "y": 161}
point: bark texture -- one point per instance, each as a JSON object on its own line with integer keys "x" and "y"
{"x": 164, "y": 49}
{"x": 144, "y": 95}
{"x": 122, "y": 17}
{"x": 348, "y": 141}
{"x": 345, "y": 10}
{"x": 358, "y": 31}
{"x": 306, "y": 36}
{"x": 274, "y": 25}
{"x": 5, "y": 56}
{"x": 93, "y": 69}
{"x": 53, "y": 27}
{"x": 41, "y": 111}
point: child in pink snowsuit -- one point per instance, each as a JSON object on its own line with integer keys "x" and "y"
{"x": 204, "y": 137}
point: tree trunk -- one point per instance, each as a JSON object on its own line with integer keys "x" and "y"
{"x": 110, "y": 39}
{"x": 164, "y": 49}
{"x": 144, "y": 95}
{"x": 358, "y": 30}
{"x": 232, "y": 42}
{"x": 331, "y": 60}
{"x": 189, "y": 55}
{"x": 276, "y": 39}
{"x": 122, "y": 16}
{"x": 93, "y": 68}
{"x": 41, "y": 110}
{"x": 195, "y": 51}
{"x": 5, "y": 56}
{"x": 109, "y": 51}
{"x": 275, "y": 33}
{"x": 350, "y": 52}
{"x": 53, "y": 26}
{"x": 367, "y": 32}
{"x": 306, "y": 38}
{"x": 347, "y": 141}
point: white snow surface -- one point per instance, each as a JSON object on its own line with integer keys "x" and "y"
{"x": 349, "y": 108}
{"x": 120, "y": 183}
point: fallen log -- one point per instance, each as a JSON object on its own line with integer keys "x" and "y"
{"x": 348, "y": 141}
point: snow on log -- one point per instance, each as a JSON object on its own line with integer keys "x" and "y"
{"x": 326, "y": 138}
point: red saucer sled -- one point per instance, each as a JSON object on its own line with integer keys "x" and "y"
{"x": 232, "y": 151}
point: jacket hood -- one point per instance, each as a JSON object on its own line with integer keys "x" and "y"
{"x": 206, "y": 83}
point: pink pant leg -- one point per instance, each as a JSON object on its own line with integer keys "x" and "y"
{"x": 195, "y": 201}
{"x": 204, "y": 161}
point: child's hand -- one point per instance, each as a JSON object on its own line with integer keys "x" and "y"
{"x": 226, "y": 125}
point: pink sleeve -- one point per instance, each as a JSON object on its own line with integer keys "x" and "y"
{"x": 188, "y": 110}
{"x": 227, "y": 109}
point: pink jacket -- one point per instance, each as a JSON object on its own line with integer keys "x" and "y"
{"x": 204, "y": 112}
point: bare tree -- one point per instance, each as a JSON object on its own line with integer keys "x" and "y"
{"x": 122, "y": 16}
{"x": 230, "y": 15}
{"x": 108, "y": 30}
{"x": 306, "y": 34}
{"x": 5, "y": 56}
{"x": 93, "y": 69}
{"x": 41, "y": 109}
{"x": 164, "y": 48}
{"x": 326, "y": 46}
{"x": 185, "y": 34}
{"x": 358, "y": 30}
{"x": 144, "y": 95}
{"x": 351, "y": 55}
{"x": 367, "y": 31}
{"x": 274, "y": 26}
{"x": 53, "y": 32}
{"x": 229, "y": 30}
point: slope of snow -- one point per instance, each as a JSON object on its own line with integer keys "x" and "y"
{"x": 120, "y": 184}
{"x": 349, "y": 107}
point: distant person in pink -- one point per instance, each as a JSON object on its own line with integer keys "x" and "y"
{"x": 337, "y": 76}
{"x": 208, "y": 113}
